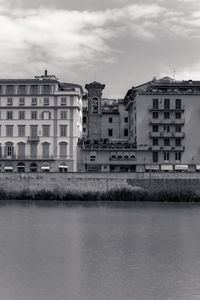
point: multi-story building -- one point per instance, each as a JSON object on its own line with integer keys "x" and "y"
{"x": 40, "y": 123}
{"x": 164, "y": 120}
{"x": 105, "y": 146}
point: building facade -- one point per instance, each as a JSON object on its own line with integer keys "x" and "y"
{"x": 40, "y": 123}
{"x": 164, "y": 117}
{"x": 105, "y": 146}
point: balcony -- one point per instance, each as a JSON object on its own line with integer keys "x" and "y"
{"x": 33, "y": 139}
{"x": 166, "y": 134}
{"x": 154, "y": 134}
{"x": 179, "y": 134}
{"x": 166, "y": 148}
{"x": 155, "y": 148}
{"x": 180, "y": 121}
{"x": 178, "y": 148}
{"x": 171, "y": 108}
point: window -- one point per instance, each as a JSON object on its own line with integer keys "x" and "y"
{"x": 33, "y": 150}
{"x": 34, "y": 130}
{"x": 166, "y": 104}
{"x": 166, "y": 128}
{"x": 178, "y": 115}
{"x": 9, "y": 115}
{"x": 46, "y": 101}
{"x": 155, "y": 115}
{"x": 92, "y": 156}
{"x": 21, "y": 130}
{"x": 21, "y": 101}
{"x": 21, "y": 115}
{"x": 155, "y": 103}
{"x": 9, "y": 149}
{"x": 22, "y": 89}
{"x": 34, "y": 101}
{"x": 34, "y": 89}
{"x": 110, "y": 132}
{"x": 125, "y": 132}
{"x": 46, "y": 115}
{"x": 10, "y": 89}
{"x": 84, "y": 129}
{"x": 63, "y": 101}
{"x": 45, "y": 150}
{"x": 9, "y": 101}
{"x": 63, "y": 130}
{"x": 46, "y": 130}
{"x": 110, "y": 119}
{"x": 63, "y": 149}
{"x": 126, "y": 120}
{"x": 178, "y": 142}
{"x": 63, "y": 115}
{"x": 155, "y": 157}
{"x": 166, "y": 142}
{"x": 34, "y": 115}
{"x": 178, "y": 104}
{"x": 21, "y": 150}
{"x": 46, "y": 89}
{"x": 178, "y": 128}
{"x": 166, "y": 156}
{"x": 178, "y": 156}
{"x": 155, "y": 128}
{"x": 9, "y": 130}
{"x": 166, "y": 115}
{"x": 155, "y": 142}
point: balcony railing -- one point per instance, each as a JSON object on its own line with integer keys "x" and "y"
{"x": 171, "y": 108}
{"x": 33, "y": 139}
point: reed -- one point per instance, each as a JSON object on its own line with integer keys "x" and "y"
{"x": 123, "y": 194}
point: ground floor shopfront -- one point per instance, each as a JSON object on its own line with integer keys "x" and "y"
{"x": 34, "y": 166}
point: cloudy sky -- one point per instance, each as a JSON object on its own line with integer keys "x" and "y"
{"x": 118, "y": 42}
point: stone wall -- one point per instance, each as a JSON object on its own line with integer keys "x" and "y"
{"x": 100, "y": 181}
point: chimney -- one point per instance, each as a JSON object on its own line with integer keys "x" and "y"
{"x": 45, "y": 72}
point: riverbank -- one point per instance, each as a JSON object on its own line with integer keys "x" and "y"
{"x": 118, "y": 195}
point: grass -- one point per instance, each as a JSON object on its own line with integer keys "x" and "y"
{"x": 122, "y": 194}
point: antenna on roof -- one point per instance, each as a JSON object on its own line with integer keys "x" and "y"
{"x": 174, "y": 73}
{"x": 95, "y": 76}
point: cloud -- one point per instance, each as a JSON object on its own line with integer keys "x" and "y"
{"x": 61, "y": 37}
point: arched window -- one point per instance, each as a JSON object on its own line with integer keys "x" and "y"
{"x": 21, "y": 150}
{"x": 33, "y": 167}
{"x": 95, "y": 102}
{"x": 21, "y": 167}
{"x": 45, "y": 150}
{"x": 63, "y": 149}
{"x": 9, "y": 149}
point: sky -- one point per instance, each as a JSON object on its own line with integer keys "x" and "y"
{"x": 121, "y": 43}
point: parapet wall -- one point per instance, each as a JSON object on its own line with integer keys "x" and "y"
{"x": 100, "y": 181}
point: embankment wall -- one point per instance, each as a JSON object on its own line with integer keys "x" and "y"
{"x": 100, "y": 181}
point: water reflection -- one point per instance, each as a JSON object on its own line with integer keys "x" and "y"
{"x": 127, "y": 251}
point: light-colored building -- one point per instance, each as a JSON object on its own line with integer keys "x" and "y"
{"x": 105, "y": 144}
{"x": 40, "y": 123}
{"x": 164, "y": 119}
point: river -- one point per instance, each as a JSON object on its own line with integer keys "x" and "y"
{"x": 100, "y": 252}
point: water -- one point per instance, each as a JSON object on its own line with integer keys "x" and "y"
{"x": 136, "y": 252}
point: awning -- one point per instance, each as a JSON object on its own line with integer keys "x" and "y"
{"x": 45, "y": 168}
{"x": 152, "y": 167}
{"x": 167, "y": 167}
{"x": 63, "y": 166}
{"x": 8, "y": 168}
{"x": 181, "y": 167}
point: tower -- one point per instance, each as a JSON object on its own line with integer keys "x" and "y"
{"x": 94, "y": 109}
